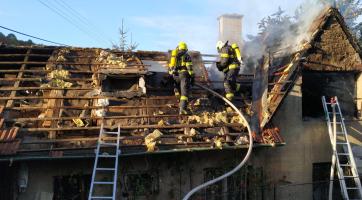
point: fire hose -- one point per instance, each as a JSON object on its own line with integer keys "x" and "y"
{"x": 241, "y": 164}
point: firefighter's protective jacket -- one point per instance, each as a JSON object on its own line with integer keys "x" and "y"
{"x": 180, "y": 63}
{"x": 230, "y": 58}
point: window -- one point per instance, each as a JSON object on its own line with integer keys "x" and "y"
{"x": 243, "y": 185}
{"x": 317, "y": 84}
{"x": 213, "y": 190}
{"x": 73, "y": 187}
{"x": 236, "y": 186}
{"x": 142, "y": 183}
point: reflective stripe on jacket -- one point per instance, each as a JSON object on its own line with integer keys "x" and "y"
{"x": 180, "y": 64}
{"x": 228, "y": 58}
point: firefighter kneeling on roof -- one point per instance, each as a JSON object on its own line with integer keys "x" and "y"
{"x": 229, "y": 63}
{"x": 180, "y": 68}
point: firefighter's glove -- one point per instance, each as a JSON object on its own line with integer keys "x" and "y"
{"x": 218, "y": 66}
{"x": 172, "y": 72}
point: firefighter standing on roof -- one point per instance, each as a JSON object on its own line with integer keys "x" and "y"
{"x": 229, "y": 63}
{"x": 180, "y": 67}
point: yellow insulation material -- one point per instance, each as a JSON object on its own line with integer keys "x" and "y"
{"x": 151, "y": 140}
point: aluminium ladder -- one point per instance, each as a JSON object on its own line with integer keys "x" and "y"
{"x": 105, "y": 152}
{"x": 342, "y": 157}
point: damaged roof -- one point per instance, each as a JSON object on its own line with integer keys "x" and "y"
{"x": 58, "y": 97}
{"x": 330, "y": 47}
{"x": 54, "y": 100}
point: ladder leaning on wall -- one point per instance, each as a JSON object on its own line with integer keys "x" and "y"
{"x": 342, "y": 158}
{"x": 105, "y": 166}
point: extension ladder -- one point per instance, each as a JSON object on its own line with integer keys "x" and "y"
{"x": 342, "y": 157}
{"x": 105, "y": 152}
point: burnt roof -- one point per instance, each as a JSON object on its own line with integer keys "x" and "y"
{"x": 56, "y": 97}
{"x": 286, "y": 64}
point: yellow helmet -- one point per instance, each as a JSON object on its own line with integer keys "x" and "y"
{"x": 182, "y": 46}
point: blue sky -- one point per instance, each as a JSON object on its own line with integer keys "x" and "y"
{"x": 155, "y": 24}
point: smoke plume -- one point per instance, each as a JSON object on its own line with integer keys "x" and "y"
{"x": 285, "y": 34}
{"x": 281, "y": 36}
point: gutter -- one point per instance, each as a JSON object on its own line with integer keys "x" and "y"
{"x": 88, "y": 156}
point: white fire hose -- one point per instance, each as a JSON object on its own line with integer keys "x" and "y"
{"x": 189, "y": 194}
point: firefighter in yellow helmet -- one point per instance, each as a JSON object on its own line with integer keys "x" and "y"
{"x": 180, "y": 68}
{"x": 229, "y": 63}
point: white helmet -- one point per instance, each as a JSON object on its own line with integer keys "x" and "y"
{"x": 219, "y": 45}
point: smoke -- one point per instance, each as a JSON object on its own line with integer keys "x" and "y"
{"x": 280, "y": 35}
{"x": 308, "y": 12}
{"x": 215, "y": 76}
{"x": 283, "y": 34}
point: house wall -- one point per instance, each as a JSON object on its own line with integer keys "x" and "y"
{"x": 307, "y": 137}
{"x": 41, "y": 173}
{"x": 177, "y": 173}
{"x": 307, "y": 143}
{"x": 333, "y": 50}
{"x": 355, "y": 127}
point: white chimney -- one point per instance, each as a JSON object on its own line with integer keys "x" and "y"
{"x": 230, "y": 28}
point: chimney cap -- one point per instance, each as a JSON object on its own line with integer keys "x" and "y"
{"x": 234, "y": 15}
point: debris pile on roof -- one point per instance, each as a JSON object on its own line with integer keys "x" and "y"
{"x": 218, "y": 142}
{"x": 100, "y": 112}
{"x": 62, "y": 54}
{"x": 214, "y": 118}
{"x": 188, "y": 136}
{"x": 242, "y": 140}
{"x": 109, "y": 60}
{"x": 163, "y": 123}
{"x": 152, "y": 139}
{"x": 57, "y": 78}
{"x": 271, "y": 136}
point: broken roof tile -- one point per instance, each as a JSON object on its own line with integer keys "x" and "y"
{"x": 8, "y": 135}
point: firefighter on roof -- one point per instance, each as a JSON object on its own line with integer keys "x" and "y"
{"x": 229, "y": 63}
{"x": 180, "y": 68}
